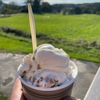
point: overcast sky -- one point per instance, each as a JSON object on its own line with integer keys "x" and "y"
{"x": 21, "y": 2}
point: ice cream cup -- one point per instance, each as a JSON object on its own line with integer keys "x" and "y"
{"x": 56, "y": 93}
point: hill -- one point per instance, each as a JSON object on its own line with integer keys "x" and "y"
{"x": 89, "y": 8}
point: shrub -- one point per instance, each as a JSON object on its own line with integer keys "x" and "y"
{"x": 98, "y": 44}
{"x": 93, "y": 43}
{"x": 17, "y": 32}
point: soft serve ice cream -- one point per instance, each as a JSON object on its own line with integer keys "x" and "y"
{"x": 47, "y": 67}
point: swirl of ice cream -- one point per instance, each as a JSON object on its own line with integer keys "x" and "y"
{"x": 48, "y": 78}
{"x": 48, "y": 57}
{"x": 46, "y": 67}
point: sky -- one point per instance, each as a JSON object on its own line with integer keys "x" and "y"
{"x": 21, "y": 2}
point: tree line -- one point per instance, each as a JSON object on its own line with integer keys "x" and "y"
{"x": 37, "y": 5}
{"x": 44, "y": 7}
{"x": 87, "y": 8}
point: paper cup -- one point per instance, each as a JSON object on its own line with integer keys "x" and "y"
{"x": 56, "y": 93}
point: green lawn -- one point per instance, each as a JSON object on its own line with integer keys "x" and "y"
{"x": 71, "y": 27}
{"x": 78, "y": 35}
{"x": 19, "y": 21}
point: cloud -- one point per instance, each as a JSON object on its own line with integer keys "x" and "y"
{"x": 6, "y": 1}
{"x": 59, "y": 1}
{"x": 19, "y": 2}
{"x": 70, "y": 1}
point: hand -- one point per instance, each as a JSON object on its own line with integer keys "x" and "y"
{"x": 17, "y": 92}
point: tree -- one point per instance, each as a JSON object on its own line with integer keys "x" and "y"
{"x": 45, "y": 7}
{"x": 29, "y": 1}
{"x": 77, "y": 10}
{"x": 1, "y": 6}
{"x": 85, "y": 10}
{"x": 24, "y": 9}
{"x": 1, "y": 2}
{"x": 35, "y": 5}
{"x": 13, "y": 5}
{"x": 10, "y": 8}
{"x": 71, "y": 11}
{"x": 98, "y": 12}
{"x": 64, "y": 11}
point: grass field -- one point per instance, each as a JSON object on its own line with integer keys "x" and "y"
{"x": 78, "y": 35}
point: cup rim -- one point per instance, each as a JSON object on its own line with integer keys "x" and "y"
{"x": 66, "y": 84}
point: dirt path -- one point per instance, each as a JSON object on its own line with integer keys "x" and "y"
{"x": 10, "y": 62}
